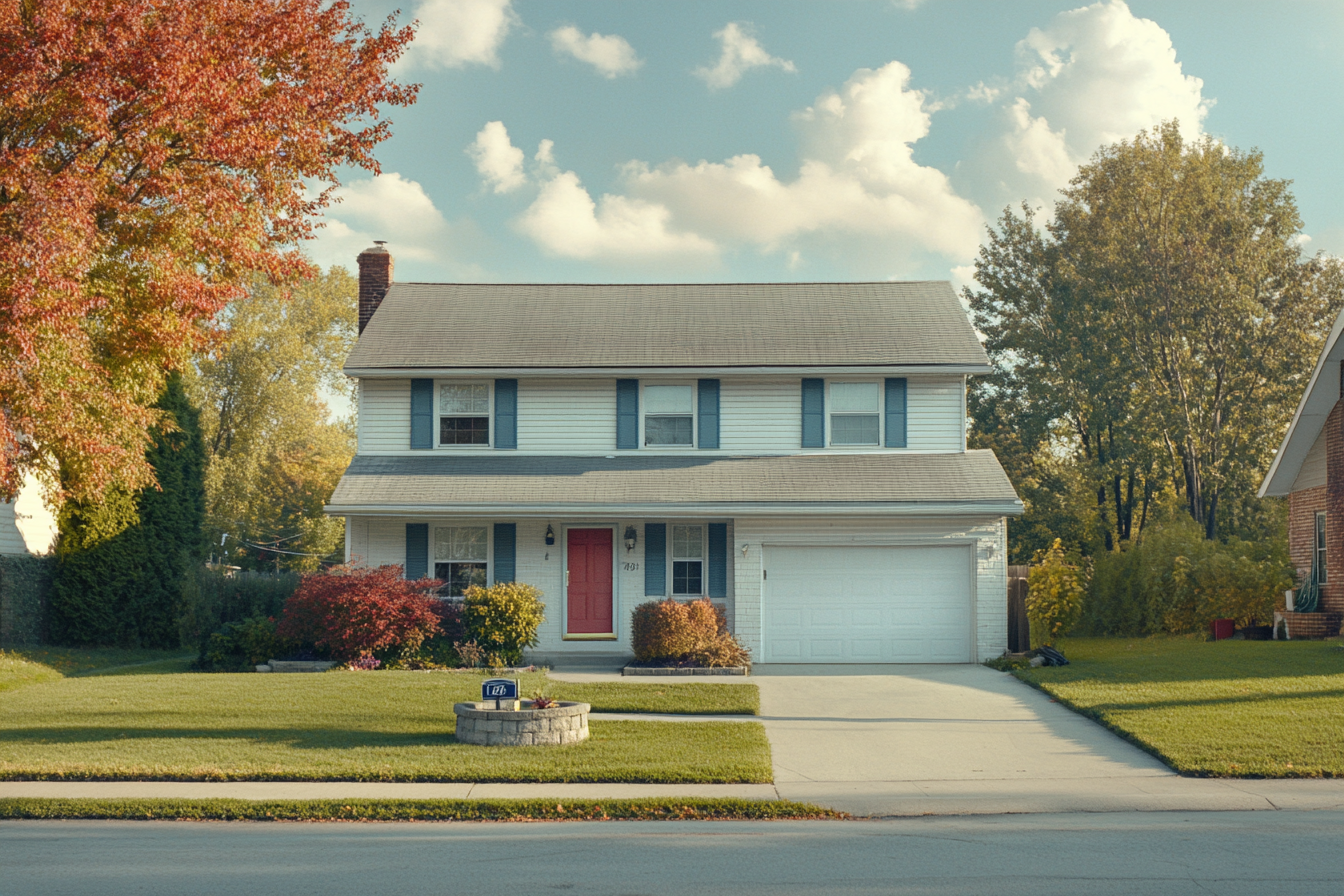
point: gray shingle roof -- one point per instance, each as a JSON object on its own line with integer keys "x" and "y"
{"x": 451, "y": 325}
{"x": 443, "y": 481}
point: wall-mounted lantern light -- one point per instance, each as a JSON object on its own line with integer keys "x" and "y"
{"x": 550, "y": 534}
{"x": 630, "y": 538}
{"x": 744, "y": 551}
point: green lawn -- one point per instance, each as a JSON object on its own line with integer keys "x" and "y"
{"x": 155, "y": 722}
{"x": 1226, "y": 708}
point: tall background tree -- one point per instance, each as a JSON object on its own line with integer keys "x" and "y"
{"x": 121, "y": 561}
{"x": 1150, "y": 344}
{"x": 276, "y": 449}
{"x": 154, "y": 156}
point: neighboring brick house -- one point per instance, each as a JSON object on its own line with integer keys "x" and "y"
{"x": 795, "y": 452}
{"x": 1309, "y": 470}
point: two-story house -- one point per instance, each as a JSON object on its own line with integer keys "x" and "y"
{"x": 795, "y": 452}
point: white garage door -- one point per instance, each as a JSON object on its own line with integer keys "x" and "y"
{"x": 867, "y": 605}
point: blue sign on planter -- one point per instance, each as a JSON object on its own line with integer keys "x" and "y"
{"x": 499, "y": 689}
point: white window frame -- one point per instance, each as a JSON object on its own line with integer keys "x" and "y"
{"x": 672, "y": 559}
{"x": 1320, "y": 523}
{"x": 489, "y": 548}
{"x": 881, "y": 413}
{"x": 695, "y": 416}
{"x": 438, "y": 413}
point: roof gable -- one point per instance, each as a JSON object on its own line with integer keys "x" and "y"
{"x": 1309, "y": 419}
{"x": 472, "y": 326}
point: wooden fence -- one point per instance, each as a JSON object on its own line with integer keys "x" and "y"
{"x": 1019, "y": 630}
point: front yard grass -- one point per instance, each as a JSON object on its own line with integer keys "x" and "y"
{"x": 369, "y": 726}
{"x": 1225, "y": 708}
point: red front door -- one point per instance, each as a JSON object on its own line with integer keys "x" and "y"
{"x": 589, "y": 577}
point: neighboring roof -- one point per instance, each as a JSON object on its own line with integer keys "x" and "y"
{"x": 1309, "y": 419}
{"x": 801, "y": 482}
{"x": 548, "y": 325}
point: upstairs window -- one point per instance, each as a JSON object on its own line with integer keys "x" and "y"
{"x": 855, "y": 414}
{"x": 1320, "y": 547}
{"x": 669, "y": 416}
{"x": 688, "y": 560}
{"x": 464, "y": 414}
{"x": 460, "y": 558}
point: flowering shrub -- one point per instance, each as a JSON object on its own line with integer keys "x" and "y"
{"x": 1055, "y": 589}
{"x": 503, "y": 619}
{"x": 364, "y": 664}
{"x": 353, "y": 613}
{"x": 696, "y": 632}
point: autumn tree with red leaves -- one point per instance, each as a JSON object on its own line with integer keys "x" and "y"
{"x": 358, "y": 612}
{"x": 154, "y": 156}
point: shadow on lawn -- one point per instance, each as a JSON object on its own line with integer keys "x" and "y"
{"x": 1213, "y": 701}
{"x": 300, "y": 738}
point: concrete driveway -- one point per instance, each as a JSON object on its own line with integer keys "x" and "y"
{"x": 910, "y": 740}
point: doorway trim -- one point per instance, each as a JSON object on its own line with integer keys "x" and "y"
{"x": 564, "y": 578}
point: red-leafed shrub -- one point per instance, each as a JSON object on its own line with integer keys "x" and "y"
{"x": 353, "y": 613}
{"x": 694, "y": 633}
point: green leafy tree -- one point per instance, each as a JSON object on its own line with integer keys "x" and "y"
{"x": 1157, "y": 333}
{"x": 122, "y": 563}
{"x": 275, "y": 449}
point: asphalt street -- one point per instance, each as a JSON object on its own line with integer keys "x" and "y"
{"x": 1168, "y": 853}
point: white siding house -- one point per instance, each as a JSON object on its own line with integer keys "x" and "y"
{"x": 794, "y": 452}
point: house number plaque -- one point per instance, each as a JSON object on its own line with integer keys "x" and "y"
{"x": 499, "y": 689}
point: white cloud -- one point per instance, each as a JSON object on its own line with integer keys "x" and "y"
{"x": 610, "y": 54}
{"x": 858, "y": 176}
{"x": 457, "y": 33}
{"x": 565, "y": 221}
{"x": 739, "y": 52}
{"x": 386, "y": 207}
{"x": 498, "y": 161}
{"x": 1093, "y": 76}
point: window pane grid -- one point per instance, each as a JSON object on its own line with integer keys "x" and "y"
{"x": 686, "y": 578}
{"x": 1320, "y": 548}
{"x": 460, "y": 543}
{"x": 854, "y": 429}
{"x": 464, "y": 430}
{"x": 468, "y": 398}
{"x": 668, "y": 430}
{"x": 687, "y": 542}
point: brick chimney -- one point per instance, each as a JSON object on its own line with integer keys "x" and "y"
{"x": 375, "y": 275}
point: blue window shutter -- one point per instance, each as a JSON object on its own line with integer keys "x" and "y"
{"x": 716, "y": 553}
{"x": 422, "y": 413}
{"x": 896, "y": 413}
{"x": 708, "y": 408}
{"x": 506, "y": 551}
{"x": 655, "y": 559}
{"x": 417, "y": 550}
{"x": 627, "y": 413}
{"x": 506, "y": 414}
{"x": 814, "y": 414}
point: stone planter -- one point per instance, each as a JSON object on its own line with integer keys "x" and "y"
{"x": 481, "y": 723}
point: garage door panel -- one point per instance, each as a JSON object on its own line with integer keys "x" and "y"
{"x": 868, "y": 604}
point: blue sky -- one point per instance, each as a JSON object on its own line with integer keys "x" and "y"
{"x": 842, "y": 140}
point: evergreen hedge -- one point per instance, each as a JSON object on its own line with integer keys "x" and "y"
{"x": 122, "y": 564}
{"x": 25, "y": 589}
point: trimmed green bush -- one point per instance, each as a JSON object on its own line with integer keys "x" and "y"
{"x": 503, "y": 619}
{"x": 213, "y": 598}
{"x": 241, "y": 646}
{"x": 122, "y": 563}
{"x": 25, "y": 590}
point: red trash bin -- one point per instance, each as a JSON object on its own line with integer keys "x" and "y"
{"x": 1222, "y": 629}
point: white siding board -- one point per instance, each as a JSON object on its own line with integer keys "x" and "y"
{"x": 565, "y": 415}
{"x": 576, "y": 416}
{"x": 384, "y": 416}
{"x": 1312, "y": 473}
{"x": 760, "y": 415}
{"x": 934, "y": 409}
